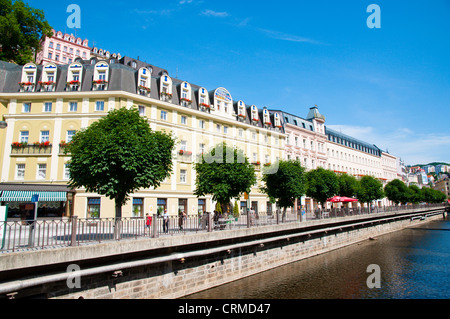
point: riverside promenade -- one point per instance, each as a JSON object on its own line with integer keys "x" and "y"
{"x": 172, "y": 265}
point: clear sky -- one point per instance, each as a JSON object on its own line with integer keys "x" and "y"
{"x": 389, "y": 86}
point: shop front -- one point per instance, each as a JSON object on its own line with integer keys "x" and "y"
{"x": 53, "y": 201}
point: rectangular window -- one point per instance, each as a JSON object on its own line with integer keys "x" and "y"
{"x": 102, "y": 75}
{"x": 47, "y": 106}
{"x": 73, "y": 106}
{"x": 161, "y": 206}
{"x": 201, "y": 148}
{"x": 241, "y": 132}
{"x": 163, "y": 115}
{"x": 138, "y": 207}
{"x": 182, "y": 205}
{"x": 24, "y": 136}
{"x": 141, "y": 110}
{"x": 183, "y": 173}
{"x": 66, "y": 172}
{"x": 201, "y": 124}
{"x": 20, "y": 171}
{"x": 183, "y": 120}
{"x": 50, "y": 55}
{"x": 26, "y": 107}
{"x": 93, "y": 209}
{"x": 41, "y": 171}
{"x": 70, "y": 135}
{"x": 201, "y": 206}
{"x": 225, "y": 129}
{"x": 100, "y": 106}
{"x": 218, "y": 127}
{"x": 45, "y": 136}
{"x": 76, "y": 75}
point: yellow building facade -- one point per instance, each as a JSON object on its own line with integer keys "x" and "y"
{"x": 44, "y": 106}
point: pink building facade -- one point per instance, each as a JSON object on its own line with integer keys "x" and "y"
{"x": 63, "y": 49}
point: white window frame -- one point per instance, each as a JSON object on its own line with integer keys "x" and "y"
{"x": 24, "y": 138}
{"x": 20, "y": 168}
{"x": 41, "y": 172}
{"x": 26, "y": 107}
{"x": 47, "y": 108}
{"x": 44, "y": 137}
{"x": 75, "y": 104}
{"x": 183, "y": 176}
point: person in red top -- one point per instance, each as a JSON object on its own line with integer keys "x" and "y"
{"x": 148, "y": 221}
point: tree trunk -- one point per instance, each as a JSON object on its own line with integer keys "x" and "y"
{"x": 118, "y": 221}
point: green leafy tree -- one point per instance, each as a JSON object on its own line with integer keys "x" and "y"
{"x": 397, "y": 191}
{"x": 321, "y": 184}
{"x": 370, "y": 189}
{"x": 432, "y": 196}
{"x": 21, "y": 30}
{"x": 118, "y": 155}
{"x": 348, "y": 185}
{"x": 236, "y": 209}
{"x": 225, "y": 173}
{"x": 415, "y": 195}
{"x": 286, "y": 184}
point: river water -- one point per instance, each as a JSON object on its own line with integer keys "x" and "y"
{"x": 413, "y": 264}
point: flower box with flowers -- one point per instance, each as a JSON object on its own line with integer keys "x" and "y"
{"x": 257, "y": 163}
{"x": 100, "y": 81}
{"x": 19, "y": 144}
{"x": 42, "y": 144}
{"x": 267, "y": 164}
{"x": 64, "y": 143}
{"x": 186, "y": 100}
{"x": 255, "y": 120}
{"x": 267, "y": 123}
{"x": 242, "y": 116}
{"x": 46, "y": 83}
{"x": 166, "y": 94}
{"x": 141, "y": 87}
{"x": 185, "y": 153}
{"x": 73, "y": 82}
{"x": 205, "y": 105}
{"x": 26, "y": 84}
{"x": 278, "y": 126}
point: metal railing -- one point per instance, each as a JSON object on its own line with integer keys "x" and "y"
{"x": 25, "y": 235}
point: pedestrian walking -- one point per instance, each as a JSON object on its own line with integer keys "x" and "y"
{"x": 148, "y": 221}
{"x": 181, "y": 219}
{"x": 166, "y": 221}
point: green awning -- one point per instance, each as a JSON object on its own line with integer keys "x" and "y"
{"x": 25, "y": 196}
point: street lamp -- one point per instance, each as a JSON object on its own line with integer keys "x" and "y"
{"x": 3, "y": 124}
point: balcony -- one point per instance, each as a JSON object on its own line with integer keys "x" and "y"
{"x": 31, "y": 149}
{"x": 184, "y": 156}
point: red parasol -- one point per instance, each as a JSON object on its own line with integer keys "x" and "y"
{"x": 342, "y": 199}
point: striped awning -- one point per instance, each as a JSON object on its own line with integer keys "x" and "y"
{"x": 25, "y": 196}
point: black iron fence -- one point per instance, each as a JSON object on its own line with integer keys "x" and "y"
{"x": 25, "y": 235}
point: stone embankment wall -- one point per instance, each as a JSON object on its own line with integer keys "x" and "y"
{"x": 176, "y": 267}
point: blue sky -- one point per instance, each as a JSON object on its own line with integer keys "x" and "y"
{"x": 388, "y": 86}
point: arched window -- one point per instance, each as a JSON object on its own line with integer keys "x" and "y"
{"x": 101, "y": 76}
{"x": 74, "y": 77}
{"x": 28, "y": 79}
{"x": 223, "y": 101}
{"x": 144, "y": 84}
{"x": 48, "y": 78}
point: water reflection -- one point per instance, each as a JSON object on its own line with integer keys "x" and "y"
{"x": 413, "y": 262}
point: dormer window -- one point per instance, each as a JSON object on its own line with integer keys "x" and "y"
{"x": 223, "y": 101}
{"x": 101, "y": 75}
{"x": 255, "y": 117}
{"x": 28, "y": 80}
{"x": 186, "y": 97}
{"x": 241, "y": 111}
{"x": 48, "y": 78}
{"x": 166, "y": 89}
{"x": 266, "y": 118}
{"x": 203, "y": 100}
{"x": 277, "y": 120}
{"x": 144, "y": 77}
{"x": 74, "y": 77}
